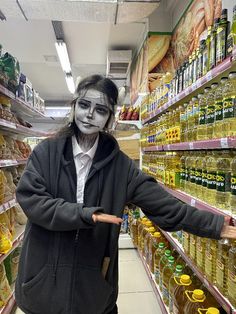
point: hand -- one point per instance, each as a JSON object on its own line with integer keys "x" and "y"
{"x": 111, "y": 219}
{"x": 227, "y": 230}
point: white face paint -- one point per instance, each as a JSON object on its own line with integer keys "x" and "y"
{"x": 92, "y": 112}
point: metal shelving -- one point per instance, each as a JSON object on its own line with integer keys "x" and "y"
{"x": 12, "y": 162}
{"x": 212, "y": 289}
{"x": 9, "y": 204}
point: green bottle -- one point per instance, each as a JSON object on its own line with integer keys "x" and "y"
{"x": 231, "y": 40}
{"x": 207, "y": 52}
{"x": 221, "y": 37}
{"x": 212, "y": 60}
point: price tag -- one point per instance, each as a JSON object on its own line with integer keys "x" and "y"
{"x": 190, "y": 145}
{"x": 224, "y": 142}
{"x": 194, "y": 86}
{"x": 193, "y": 202}
{"x": 209, "y": 76}
{"x": 177, "y": 97}
{"x": 168, "y": 147}
{"x": 199, "y": 83}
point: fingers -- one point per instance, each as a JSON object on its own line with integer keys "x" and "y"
{"x": 112, "y": 219}
{"x": 228, "y": 232}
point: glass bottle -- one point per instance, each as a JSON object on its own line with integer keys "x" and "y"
{"x": 207, "y": 51}
{"x": 231, "y": 40}
{"x": 200, "y": 59}
{"x": 221, "y": 37}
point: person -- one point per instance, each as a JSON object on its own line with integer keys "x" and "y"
{"x": 73, "y": 190}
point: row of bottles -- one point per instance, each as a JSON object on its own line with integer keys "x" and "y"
{"x": 206, "y": 175}
{"x": 216, "y": 259}
{"x": 171, "y": 273}
{"x": 208, "y": 115}
{"x": 211, "y": 52}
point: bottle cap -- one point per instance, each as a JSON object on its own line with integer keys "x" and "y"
{"x": 151, "y": 229}
{"x": 212, "y": 310}
{"x": 157, "y": 235}
{"x": 171, "y": 259}
{"x": 167, "y": 253}
{"x": 185, "y": 279}
{"x": 198, "y": 294}
{"x": 161, "y": 245}
{"x": 214, "y": 85}
{"x": 224, "y": 13}
{"x": 179, "y": 267}
{"x": 149, "y": 224}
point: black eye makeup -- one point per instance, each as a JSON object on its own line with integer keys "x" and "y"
{"x": 100, "y": 109}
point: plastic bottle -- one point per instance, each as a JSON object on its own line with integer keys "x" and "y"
{"x": 188, "y": 167}
{"x": 217, "y": 127}
{"x": 210, "y": 259}
{"x": 207, "y": 52}
{"x": 204, "y": 175}
{"x": 211, "y": 178}
{"x": 222, "y": 265}
{"x": 202, "y": 127}
{"x": 182, "y": 170}
{"x": 195, "y": 104}
{"x": 141, "y": 224}
{"x": 186, "y": 242}
{"x": 192, "y": 247}
{"x": 150, "y": 232}
{"x": 210, "y": 310}
{"x": 221, "y": 37}
{"x": 145, "y": 231}
{"x": 166, "y": 274}
{"x": 229, "y": 106}
{"x": 197, "y": 299}
{"x": 231, "y": 40}
{"x": 232, "y": 274}
{"x": 179, "y": 297}
{"x": 223, "y": 180}
{"x": 198, "y": 173}
{"x": 233, "y": 187}
{"x": 212, "y": 60}
{"x": 201, "y": 250}
{"x": 162, "y": 263}
{"x": 157, "y": 256}
{"x": 172, "y": 285}
{"x": 153, "y": 246}
{"x": 210, "y": 111}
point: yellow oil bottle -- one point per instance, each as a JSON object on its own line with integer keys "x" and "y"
{"x": 145, "y": 231}
{"x": 174, "y": 173}
{"x": 192, "y": 181}
{"x": 210, "y": 259}
{"x": 186, "y": 242}
{"x": 183, "y": 122}
{"x": 229, "y": 106}
{"x": 210, "y": 111}
{"x": 182, "y": 171}
{"x": 166, "y": 274}
{"x": 232, "y": 274}
{"x": 197, "y": 299}
{"x": 198, "y": 173}
{"x": 233, "y": 187}
{"x": 173, "y": 285}
{"x": 156, "y": 238}
{"x": 211, "y": 178}
{"x": 157, "y": 257}
{"x": 163, "y": 262}
{"x": 222, "y": 265}
{"x": 190, "y": 122}
{"x": 202, "y": 126}
{"x": 203, "y": 192}
{"x": 188, "y": 167}
{"x": 210, "y": 310}
{"x": 223, "y": 180}
{"x": 195, "y": 104}
{"x": 141, "y": 225}
{"x": 200, "y": 254}
{"x": 147, "y": 239}
{"x": 192, "y": 247}
{"x": 218, "y": 124}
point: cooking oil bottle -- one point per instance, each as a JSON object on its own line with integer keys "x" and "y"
{"x": 198, "y": 173}
{"x": 192, "y": 247}
{"x": 166, "y": 274}
{"x": 231, "y": 40}
{"x": 232, "y": 274}
{"x": 157, "y": 257}
{"x": 221, "y": 37}
{"x": 210, "y": 111}
{"x": 229, "y": 106}
{"x": 210, "y": 261}
{"x": 172, "y": 285}
{"x": 145, "y": 231}
{"x": 211, "y": 178}
{"x": 186, "y": 242}
{"x": 233, "y": 187}
{"x": 162, "y": 263}
{"x": 197, "y": 299}
{"x": 147, "y": 238}
{"x": 155, "y": 240}
{"x": 141, "y": 225}
{"x": 202, "y": 127}
{"x": 207, "y": 52}
{"x": 182, "y": 171}
{"x": 222, "y": 265}
{"x": 218, "y": 124}
{"x": 195, "y": 118}
{"x": 174, "y": 173}
{"x": 204, "y": 175}
{"x": 210, "y": 310}
{"x": 223, "y": 180}
{"x": 212, "y": 60}
{"x": 183, "y": 122}
{"x": 200, "y": 254}
{"x": 179, "y": 297}
{"x": 190, "y": 173}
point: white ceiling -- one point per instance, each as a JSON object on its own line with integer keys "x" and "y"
{"x": 89, "y": 31}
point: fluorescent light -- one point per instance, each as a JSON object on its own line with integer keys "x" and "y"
{"x": 70, "y": 83}
{"x": 57, "y": 108}
{"x": 63, "y": 56}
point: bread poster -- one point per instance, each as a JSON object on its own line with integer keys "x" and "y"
{"x": 139, "y": 74}
{"x": 191, "y": 28}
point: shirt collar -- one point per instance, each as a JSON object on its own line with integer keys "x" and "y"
{"x": 78, "y": 151}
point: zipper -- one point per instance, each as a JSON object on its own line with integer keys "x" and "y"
{"x": 73, "y": 271}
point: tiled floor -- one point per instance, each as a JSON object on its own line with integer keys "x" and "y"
{"x": 136, "y": 295}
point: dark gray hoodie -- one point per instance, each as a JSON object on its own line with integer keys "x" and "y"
{"x": 63, "y": 249}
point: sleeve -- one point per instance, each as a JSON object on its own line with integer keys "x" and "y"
{"x": 168, "y": 212}
{"x": 42, "y": 209}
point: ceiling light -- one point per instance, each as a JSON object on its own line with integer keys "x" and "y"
{"x": 57, "y": 108}
{"x": 63, "y": 56}
{"x": 70, "y": 83}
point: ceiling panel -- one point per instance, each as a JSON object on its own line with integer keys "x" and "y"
{"x": 11, "y": 9}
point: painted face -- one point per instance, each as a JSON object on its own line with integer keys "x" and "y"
{"x": 92, "y": 112}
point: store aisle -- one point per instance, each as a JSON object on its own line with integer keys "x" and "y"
{"x": 135, "y": 291}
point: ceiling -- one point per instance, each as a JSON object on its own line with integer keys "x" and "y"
{"x": 89, "y": 28}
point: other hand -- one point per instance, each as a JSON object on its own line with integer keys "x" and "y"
{"x": 111, "y": 219}
{"x": 227, "y": 230}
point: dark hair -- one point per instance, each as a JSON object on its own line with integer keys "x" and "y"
{"x": 96, "y": 82}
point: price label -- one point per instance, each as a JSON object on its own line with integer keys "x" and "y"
{"x": 198, "y": 83}
{"x": 224, "y": 142}
{"x": 193, "y": 202}
{"x": 191, "y": 145}
{"x": 209, "y": 76}
{"x": 168, "y": 147}
{"x": 177, "y": 97}
{"x": 194, "y": 86}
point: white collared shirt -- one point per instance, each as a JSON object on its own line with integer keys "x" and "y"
{"x": 83, "y": 162}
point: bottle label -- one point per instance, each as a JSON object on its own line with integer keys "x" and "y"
{"x": 202, "y": 115}
{"x": 198, "y": 177}
{"x": 220, "y": 273}
{"x": 210, "y": 113}
{"x": 211, "y": 180}
{"x": 233, "y": 185}
{"x": 208, "y": 256}
{"x": 187, "y": 177}
{"x": 229, "y": 107}
{"x": 192, "y": 175}
{"x": 223, "y": 181}
{"x": 182, "y": 174}
{"x": 204, "y": 178}
{"x": 218, "y": 110}
{"x": 232, "y": 277}
{"x": 165, "y": 292}
{"x": 174, "y": 179}
{"x": 231, "y": 285}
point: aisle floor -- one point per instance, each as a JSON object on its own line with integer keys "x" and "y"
{"x": 136, "y": 295}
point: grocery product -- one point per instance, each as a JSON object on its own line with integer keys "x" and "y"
{"x": 222, "y": 264}
{"x": 166, "y": 274}
{"x": 218, "y": 121}
{"x": 210, "y": 310}
{"x": 210, "y": 111}
{"x": 157, "y": 257}
{"x": 210, "y": 259}
{"x": 155, "y": 239}
{"x": 212, "y": 53}
{"x": 200, "y": 254}
{"x": 231, "y": 289}
{"x": 231, "y": 40}
{"x": 162, "y": 263}
{"x": 197, "y": 299}
{"x": 221, "y": 37}
{"x": 192, "y": 247}
{"x": 202, "y": 127}
{"x": 186, "y": 242}
{"x": 147, "y": 239}
{"x": 5, "y": 289}
{"x": 144, "y": 232}
{"x": 172, "y": 285}
{"x": 211, "y": 178}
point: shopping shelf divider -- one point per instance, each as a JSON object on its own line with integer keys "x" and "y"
{"x": 212, "y": 289}
{"x": 155, "y": 287}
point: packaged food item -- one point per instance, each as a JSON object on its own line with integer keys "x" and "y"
{"x": 221, "y": 37}
{"x": 231, "y": 290}
{"x": 231, "y": 40}
{"x": 166, "y": 274}
{"x": 197, "y": 299}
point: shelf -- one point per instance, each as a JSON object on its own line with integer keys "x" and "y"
{"x": 130, "y": 122}
{"x": 20, "y": 129}
{"x": 13, "y": 162}
{"x": 9, "y": 306}
{"x": 212, "y": 289}
{"x": 155, "y": 287}
{"x": 9, "y": 204}
{"x": 218, "y": 143}
{"x": 18, "y": 238}
{"x": 188, "y": 199}
{"x": 220, "y": 69}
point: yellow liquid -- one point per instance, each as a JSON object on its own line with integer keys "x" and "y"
{"x": 210, "y": 260}
{"x": 233, "y": 187}
{"x": 167, "y": 272}
{"x": 192, "y": 248}
{"x": 186, "y": 242}
{"x": 229, "y": 101}
{"x": 211, "y": 179}
{"x": 201, "y": 250}
{"x": 172, "y": 286}
{"x": 232, "y": 275}
{"x": 157, "y": 256}
{"x": 222, "y": 264}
